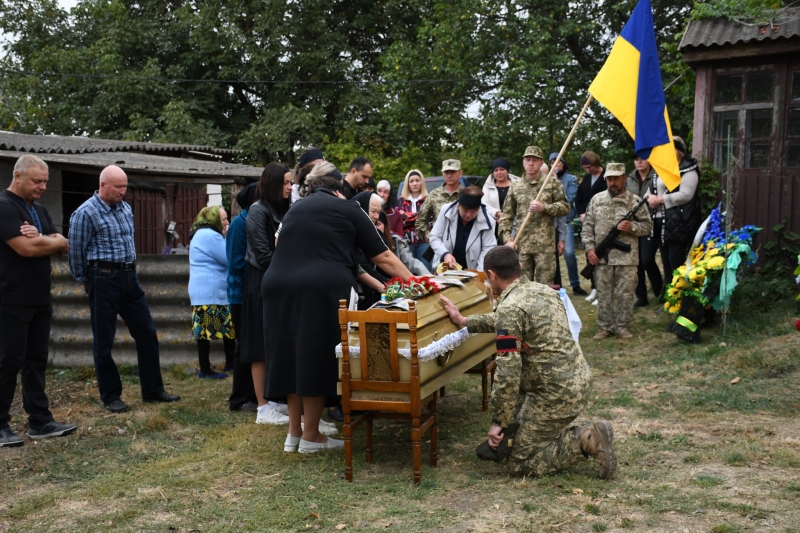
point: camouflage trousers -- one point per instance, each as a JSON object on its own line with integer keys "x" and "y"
{"x": 544, "y": 447}
{"x": 539, "y": 266}
{"x": 616, "y": 294}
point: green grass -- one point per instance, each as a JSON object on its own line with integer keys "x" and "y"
{"x": 695, "y": 453}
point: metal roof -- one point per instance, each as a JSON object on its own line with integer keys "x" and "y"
{"x": 781, "y": 24}
{"x": 56, "y": 144}
{"x": 151, "y": 165}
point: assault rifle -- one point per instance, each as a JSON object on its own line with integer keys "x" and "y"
{"x": 602, "y": 249}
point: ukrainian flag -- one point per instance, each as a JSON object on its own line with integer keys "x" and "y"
{"x": 629, "y": 85}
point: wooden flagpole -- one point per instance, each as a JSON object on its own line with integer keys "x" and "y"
{"x": 553, "y": 167}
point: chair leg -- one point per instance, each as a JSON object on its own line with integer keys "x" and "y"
{"x": 434, "y": 430}
{"x": 369, "y": 438}
{"x": 442, "y": 392}
{"x": 484, "y": 386}
{"x": 348, "y": 448}
{"x": 417, "y": 448}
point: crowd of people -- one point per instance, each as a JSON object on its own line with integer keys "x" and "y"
{"x": 254, "y": 280}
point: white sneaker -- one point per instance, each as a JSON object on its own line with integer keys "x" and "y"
{"x": 291, "y": 443}
{"x": 314, "y": 447}
{"x": 268, "y": 415}
{"x": 326, "y": 428}
{"x": 592, "y": 296}
{"x": 594, "y": 302}
{"x": 282, "y": 408}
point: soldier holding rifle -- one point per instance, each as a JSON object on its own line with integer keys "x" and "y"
{"x": 615, "y": 267}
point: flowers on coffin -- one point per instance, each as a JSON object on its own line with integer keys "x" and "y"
{"x": 413, "y": 288}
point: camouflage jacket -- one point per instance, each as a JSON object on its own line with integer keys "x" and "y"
{"x": 540, "y": 230}
{"x": 429, "y": 211}
{"x": 543, "y": 371}
{"x": 604, "y": 213}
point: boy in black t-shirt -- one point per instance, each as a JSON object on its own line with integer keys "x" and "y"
{"x": 27, "y": 240}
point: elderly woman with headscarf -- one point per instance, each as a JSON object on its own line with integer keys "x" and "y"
{"x": 208, "y": 272}
{"x": 386, "y": 191}
{"x": 314, "y": 267}
{"x": 463, "y": 232}
{"x": 371, "y": 204}
{"x": 412, "y": 197}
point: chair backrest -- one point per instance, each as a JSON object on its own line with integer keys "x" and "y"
{"x": 378, "y": 359}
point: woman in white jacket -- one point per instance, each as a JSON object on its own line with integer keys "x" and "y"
{"x": 463, "y": 232}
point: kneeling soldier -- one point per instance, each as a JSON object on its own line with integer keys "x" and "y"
{"x": 542, "y": 380}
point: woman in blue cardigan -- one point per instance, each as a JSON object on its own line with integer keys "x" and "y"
{"x": 208, "y": 272}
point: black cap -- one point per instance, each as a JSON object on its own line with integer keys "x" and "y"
{"x": 501, "y": 162}
{"x": 312, "y": 154}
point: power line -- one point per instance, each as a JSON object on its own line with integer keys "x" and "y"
{"x": 276, "y": 82}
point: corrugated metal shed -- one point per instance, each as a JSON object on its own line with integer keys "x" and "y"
{"x": 144, "y": 164}
{"x": 783, "y": 24}
{"x": 56, "y": 144}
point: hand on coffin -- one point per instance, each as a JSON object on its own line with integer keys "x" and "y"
{"x": 455, "y": 314}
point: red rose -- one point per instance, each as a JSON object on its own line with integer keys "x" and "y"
{"x": 797, "y": 324}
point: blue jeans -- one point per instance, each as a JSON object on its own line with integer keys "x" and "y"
{"x": 113, "y": 292}
{"x": 569, "y": 257}
{"x": 417, "y": 250}
{"x": 24, "y": 333}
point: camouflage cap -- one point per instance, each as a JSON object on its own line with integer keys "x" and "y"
{"x": 615, "y": 169}
{"x": 533, "y": 151}
{"x": 451, "y": 164}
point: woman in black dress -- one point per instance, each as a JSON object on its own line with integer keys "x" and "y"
{"x": 263, "y": 219}
{"x": 314, "y": 266}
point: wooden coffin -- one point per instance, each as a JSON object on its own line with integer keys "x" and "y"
{"x": 433, "y": 326}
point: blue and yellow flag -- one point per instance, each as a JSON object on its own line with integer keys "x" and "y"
{"x": 629, "y": 85}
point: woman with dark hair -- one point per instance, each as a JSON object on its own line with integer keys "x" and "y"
{"x": 314, "y": 266}
{"x": 263, "y": 219}
{"x": 399, "y": 246}
{"x": 208, "y": 269}
{"x": 463, "y": 232}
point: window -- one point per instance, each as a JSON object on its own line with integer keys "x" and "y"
{"x": 743, "y": 108}
{"x": 724, "y": 123}
{"x": 729, "y": 90}
{"x": 759, "y": 127}
{"x": 759, "y": 88}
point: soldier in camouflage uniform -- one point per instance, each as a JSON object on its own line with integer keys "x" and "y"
{"x": 535, "y": 246}
{"x": 447, "y": 193}
{"x": 542, "y": 380}
{"x": 615, "y": 275}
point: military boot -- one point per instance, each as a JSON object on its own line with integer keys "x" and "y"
{"x": 595, "y": 441}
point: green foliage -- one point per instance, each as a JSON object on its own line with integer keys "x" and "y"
{"x": 751, "y": 10}
{"x": 781, "y": 253}
{"x": 401, "y": 81}
{"x": 708, "y": 187}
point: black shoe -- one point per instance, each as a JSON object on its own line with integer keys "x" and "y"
{"x": 163, "y": 397}
{"x": 577, "y": 291}
{"x": 249, "y": 407}
{"x": 336, "y": 414}
{"x": 9, "y": 439}
{"x": 117, "y": 406}
{"x": 641, "y": 302}
{"x": 52, "y": 429}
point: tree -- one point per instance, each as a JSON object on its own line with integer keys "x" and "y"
{"x": 396, "y": 80}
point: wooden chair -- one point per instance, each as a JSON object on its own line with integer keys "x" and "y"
{"x": 405, "y": 405}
